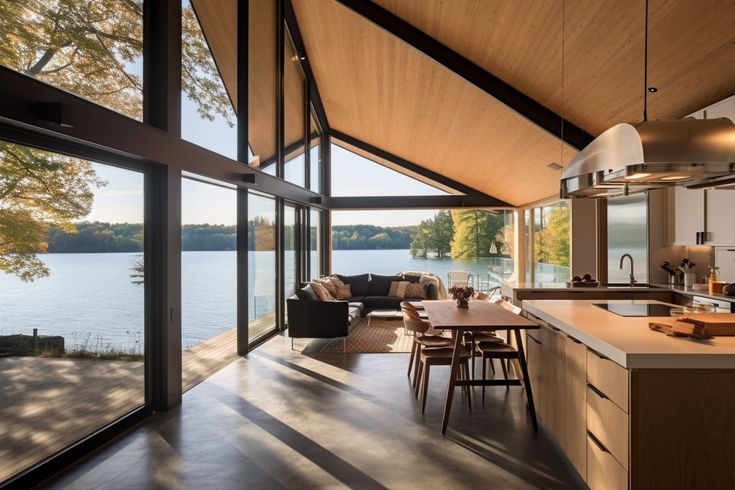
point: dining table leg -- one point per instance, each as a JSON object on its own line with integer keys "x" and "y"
{"x": 526, "y": 379}
{"x": 453, "y": 372}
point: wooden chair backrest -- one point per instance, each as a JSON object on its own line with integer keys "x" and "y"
{"x": 509, "y": 306}
{"x": 412, "y": 320}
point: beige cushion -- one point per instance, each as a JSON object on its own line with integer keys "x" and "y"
{"x": 398, "y": 289}
{"x": 344, "y": 291}
{"x": 329, "y": 286}
{"x": 416, "y": 290}
{"x": 321, "y": 291}
{"x": 336, "y": 281}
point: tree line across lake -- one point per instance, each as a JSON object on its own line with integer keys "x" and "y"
{"x": 98, "y": 237}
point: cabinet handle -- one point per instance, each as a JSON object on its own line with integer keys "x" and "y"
{"x": 574, "y": 340}
{"x": 597, "y": 354}
{"x": 555, "y": 329}
{"x": 598, "y": 392}
{"x": 537, "y": 341}
{"x": 597, "y": 442}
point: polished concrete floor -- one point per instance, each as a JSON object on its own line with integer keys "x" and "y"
{"x": 280, "y": 419}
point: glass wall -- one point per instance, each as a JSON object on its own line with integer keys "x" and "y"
{"x": 72, "y": 332}
{"x": 262, "y": 76}
{"x": 261, "y": 265}
{"x": 551, "y": 239}
{"x": 476, "y": 241}
{"x": 96, "y": 52}
{"x": 315, "y": 243}
{"x": 207, "y": 115}
{"x": 291, "y": 247}
{"x": 316, "y": 156}
{"x": 294, "y": 100}
{"x": 355, "y": 175}
{"x": 208, "y": 262}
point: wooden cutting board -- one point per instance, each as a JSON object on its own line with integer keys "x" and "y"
{"x": 697, "y": 325}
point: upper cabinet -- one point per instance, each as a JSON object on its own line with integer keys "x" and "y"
{"x": 704, "y": 217}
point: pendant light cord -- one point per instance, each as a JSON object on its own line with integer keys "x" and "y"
{"x": 561, "y": 141}
{"x": 645, "y": 65}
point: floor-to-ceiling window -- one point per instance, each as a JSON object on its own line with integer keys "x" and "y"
{"x": 72, "y": 301}
{"x": 291, "y": 241}
{"x": 547, "y": 242}
{"x": 316, "y": 155}
{"x": 294, "y": 107}
{"x": 262, "y": 277}
{"x": 262, "y": 76}
{"x": 91, "y": 49}
{"x": 207, "y": 114}
{"x": 208, "y": 268}
{"x": 315, "y": 243}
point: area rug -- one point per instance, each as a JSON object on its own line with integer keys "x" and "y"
{"x": 382, "y": 335}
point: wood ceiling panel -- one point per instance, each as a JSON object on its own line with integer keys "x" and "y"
{"x": 389, "y": 95}
{"x": 691, "y": 51}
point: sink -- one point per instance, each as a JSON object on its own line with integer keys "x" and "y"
{"x": 641, "y": 285}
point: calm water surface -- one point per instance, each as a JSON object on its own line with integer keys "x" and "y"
{"x": 91, "y": 300}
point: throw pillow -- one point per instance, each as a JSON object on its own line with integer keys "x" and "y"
{"x": 411, "y": 278}
{"x": 380, "y": 285}
{"x": 336, "y": 281}
{"x": 344, "y": 291}
{"x": 359, "y": 283}
{"x": 307, "y": 293}
{"x": 416, "y": 290}
{"x": 327, "y": 283}
{"x": 321, "y": 291}
{"x": 398, "y": 289}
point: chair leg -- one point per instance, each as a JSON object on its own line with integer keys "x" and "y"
{"x": 417, "y": 366}
{"x": 425, "y": 389}
{"x": 484, "y": 375}
{"x": 505, "y": 372}
{"x": 417, "y": 379}
{"x": 410, "y": 360}
{"x": 492, "y": 365}
{"x": 469, "y": 388}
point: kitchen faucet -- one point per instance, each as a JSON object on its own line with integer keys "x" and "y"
{"x": 632, "y": 273}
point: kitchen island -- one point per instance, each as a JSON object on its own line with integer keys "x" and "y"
{"x": 630, "y": 407}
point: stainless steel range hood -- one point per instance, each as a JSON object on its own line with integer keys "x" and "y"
{"x": 626, "y": 159}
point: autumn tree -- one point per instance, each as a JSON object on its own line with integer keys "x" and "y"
{"x": 93, "y": 49}
{"x": 475, "y": 232}
{"x": 433, "y": 236}
{"x": 551, "y": 244}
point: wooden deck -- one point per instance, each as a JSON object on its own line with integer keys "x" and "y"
{"x": 47, "y": 404}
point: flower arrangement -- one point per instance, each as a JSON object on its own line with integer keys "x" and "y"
{"x": 462, "y": 295}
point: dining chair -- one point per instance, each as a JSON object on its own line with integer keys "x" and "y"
{"x": 424, "y": 336}
{"x": 459, "y": 278}
{"x": 502, "y": 351}
{"x": 442, "y": 357}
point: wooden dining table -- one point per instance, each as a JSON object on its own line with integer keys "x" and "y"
{"x": 478, "y": 317}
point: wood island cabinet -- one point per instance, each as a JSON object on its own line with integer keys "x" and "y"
{"x": 639, "y": 428}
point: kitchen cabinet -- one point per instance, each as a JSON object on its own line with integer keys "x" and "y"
{"x": 719, "y": 218}
{"x": 575, "y": 390}
{"x": 689, "y": 215}
{"x": 704, "y": 217}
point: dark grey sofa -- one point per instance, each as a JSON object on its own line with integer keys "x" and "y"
{"x": 309, "y": 318}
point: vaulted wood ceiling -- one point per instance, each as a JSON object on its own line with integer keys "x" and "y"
{"x": 383, "y": 91}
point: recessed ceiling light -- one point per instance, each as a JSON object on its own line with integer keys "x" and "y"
{"x": 554, "y": 166}
{"x": 653, "y": 90}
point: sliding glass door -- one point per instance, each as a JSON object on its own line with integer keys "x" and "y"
{"x": 262, "y": 272}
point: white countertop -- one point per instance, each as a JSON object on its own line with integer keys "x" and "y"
{"x": 628, "y": 341}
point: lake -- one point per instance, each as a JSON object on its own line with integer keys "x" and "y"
{"x": 91, "y": 300}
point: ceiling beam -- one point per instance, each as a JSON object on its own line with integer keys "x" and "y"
{"x": 526, "y": 107}
{"x": 412, "y": 167}
{"x": 414, "y": 202}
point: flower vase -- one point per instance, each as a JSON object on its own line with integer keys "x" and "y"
{"x": 463, "y": 303}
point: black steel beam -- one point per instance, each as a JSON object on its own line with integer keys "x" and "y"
{"x": 536, "y": 113}
{"x": 105, "y": 132}
{"x": 415, "y": 202}
{"x": 298, "y": 40}
{"x": 410, "y": 166}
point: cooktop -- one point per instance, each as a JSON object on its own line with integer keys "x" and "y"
{"x": 653, "y": 309}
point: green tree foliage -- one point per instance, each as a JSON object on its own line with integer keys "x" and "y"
{"x": 261, "y": 234}
{"x": 37, "y": 188}
{"x": 434, "y": 236}
{"x": 551, "y": 243}
{"x": 370, "y": 237}
{"x": 86, "y": 47}
{"x": 475, "y": 233}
